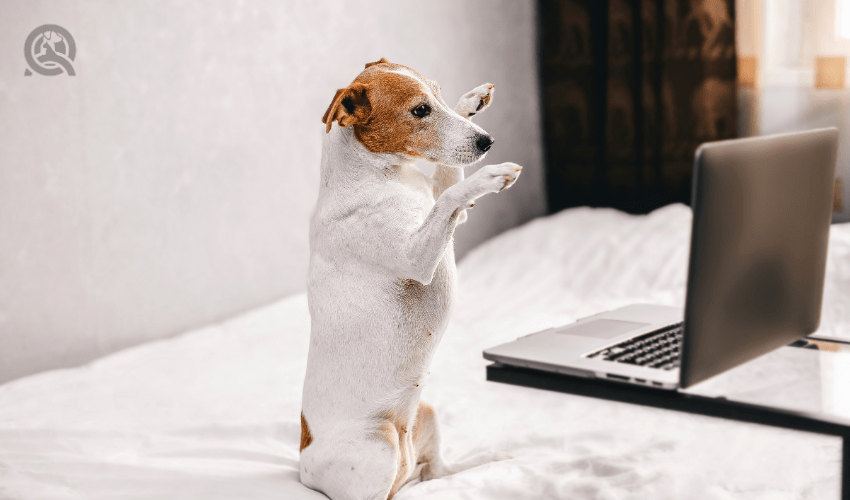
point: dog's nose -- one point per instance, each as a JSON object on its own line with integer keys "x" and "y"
{"x": 484, "y": 143}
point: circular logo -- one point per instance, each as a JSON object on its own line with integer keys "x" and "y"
{"x": 50, "y": 50}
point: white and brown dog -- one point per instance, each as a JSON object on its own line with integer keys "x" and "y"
{"x": 382, "y": 278}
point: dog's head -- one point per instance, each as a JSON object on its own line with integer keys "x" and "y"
{"x": 394, "y": 109}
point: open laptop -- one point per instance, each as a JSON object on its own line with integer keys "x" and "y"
{"x": 762, "y": 209}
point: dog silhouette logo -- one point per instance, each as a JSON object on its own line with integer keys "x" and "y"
{"x": 50, "y": 50}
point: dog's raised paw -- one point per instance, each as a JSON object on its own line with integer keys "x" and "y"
{"x": 495, "y": 178}
{"x": 475, "y": 101}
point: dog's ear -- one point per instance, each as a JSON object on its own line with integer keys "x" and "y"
{"x": 382, "y": 61}
{"x": 349, "y": 106}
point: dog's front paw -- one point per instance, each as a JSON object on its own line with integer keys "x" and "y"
{"x": 488, "y": 179}
{"x": 475, "y": 101}
{"x": 495, "y": 178}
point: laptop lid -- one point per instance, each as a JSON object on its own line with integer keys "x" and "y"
{"x": 762, "y": 209}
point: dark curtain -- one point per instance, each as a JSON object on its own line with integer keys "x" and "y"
{"x": 630, "y": 88}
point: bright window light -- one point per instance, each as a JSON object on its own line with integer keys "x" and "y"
{"x": 842, "y": 18}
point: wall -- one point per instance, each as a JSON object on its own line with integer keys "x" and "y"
{"x": 169, "y": 183}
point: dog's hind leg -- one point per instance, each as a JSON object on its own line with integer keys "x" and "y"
{"x": 354, "y": 469}
{"x": 365, "y": 460}
{"x": 426, "y": 441}
{"x": 472, "y": 103}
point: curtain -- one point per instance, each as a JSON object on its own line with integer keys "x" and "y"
{"x": 630, "y": 88}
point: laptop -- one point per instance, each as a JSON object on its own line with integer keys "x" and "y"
{"x": 762, "y": 209}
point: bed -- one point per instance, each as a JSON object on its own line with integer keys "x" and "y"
{"x": 214, "y": 413}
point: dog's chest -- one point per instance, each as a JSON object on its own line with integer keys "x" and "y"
{"x": 426, "y": 308}
{"x": 357, "y": 236}
{"x": 412, "y": 185}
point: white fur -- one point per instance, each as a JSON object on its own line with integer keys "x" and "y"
{"x": 376, "y": 226}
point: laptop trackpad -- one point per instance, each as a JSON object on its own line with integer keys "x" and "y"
{"x": 602, "y": 328}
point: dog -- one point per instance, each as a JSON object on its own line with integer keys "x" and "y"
{"x": 381, "y": 280}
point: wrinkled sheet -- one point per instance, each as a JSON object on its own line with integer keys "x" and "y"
{"x": 214, "y": 413}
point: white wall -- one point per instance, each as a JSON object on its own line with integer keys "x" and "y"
{"x": 169, "y": 183}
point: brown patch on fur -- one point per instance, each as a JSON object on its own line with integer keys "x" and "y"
{"x": 425, "y": 412}
{"x": 382, "y": 61}
{"x": 411, "y": 292}
{"x": 349, "y": 107}
{"x": 393, "y": 429}
{"x": 389, "y": 126}
{"x": 424, "y": 436}
{"x": 393, "y": 129}
{"x": 306, "y": 437}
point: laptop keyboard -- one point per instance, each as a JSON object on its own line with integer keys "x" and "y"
{"x": 658, "y": 349}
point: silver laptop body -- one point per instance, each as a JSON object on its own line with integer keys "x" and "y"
{"x": 762, "y": 209}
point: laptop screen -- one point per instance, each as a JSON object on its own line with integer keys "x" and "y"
{"x": 762, "y": 210}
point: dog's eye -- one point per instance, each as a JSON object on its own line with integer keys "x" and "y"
{"x": 421, "y": 111}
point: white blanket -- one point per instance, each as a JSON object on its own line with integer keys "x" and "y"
{"x": 214, "y": 413}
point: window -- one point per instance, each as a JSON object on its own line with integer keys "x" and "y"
{"x": 842, "y": 18}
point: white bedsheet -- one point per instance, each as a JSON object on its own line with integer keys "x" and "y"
{"x": 214, "y": 413}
